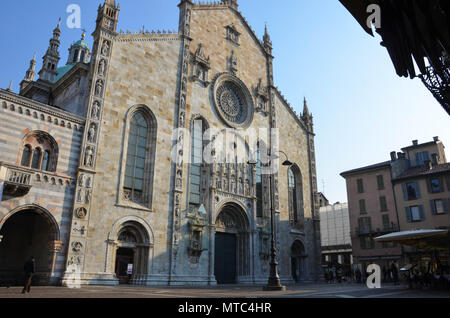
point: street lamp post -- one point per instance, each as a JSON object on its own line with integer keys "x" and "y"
{"x": 274, "y": 283}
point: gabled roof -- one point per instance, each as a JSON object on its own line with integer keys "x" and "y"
{"x": 380, "y": 165}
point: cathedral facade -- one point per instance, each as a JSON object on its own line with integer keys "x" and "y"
{"x": 107, "y": 182}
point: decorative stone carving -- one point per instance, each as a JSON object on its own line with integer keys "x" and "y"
{"x": 201, "y": 66}
{"x": 89, "y": 156}
{"x": 81, "y": 213}
{"x": 127, "y": 237}
{"x": 92, "y": 133}
{"x": 99, "y": 88}
{"x": 95, "y": 110}
{"x": 81, "y": 180}
{"x": 233, "y": 63}
{"x": 232, "y": 34}
{"x": 74, "y": 260}
{"x": 233, "y": 101}
{"x": 105, "y": 48}
{"x": 88, "y": 196}
{"x": 77, "y": 247}
{"x": 80, "y": 195}
{"x": 102, "y": 67}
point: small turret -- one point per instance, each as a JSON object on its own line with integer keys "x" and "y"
{"x": 30, "y": 74}
{"x": 307, "y": 116}
{"x": 79, "y": 52}
{"x": 267, "y": 42}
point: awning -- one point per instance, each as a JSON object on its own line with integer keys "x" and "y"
{"x": 420, "y": 239}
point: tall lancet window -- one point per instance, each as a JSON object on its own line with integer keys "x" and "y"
{"x": 35, "y": 163}
{"x": 292, "y": 197}
{"x": 195, "y": 178}
{"x": 136, "y": 156}
{"x": 259, "y": 190}
{"x": 140, "y": 144}
{"x": 296, "y": 210}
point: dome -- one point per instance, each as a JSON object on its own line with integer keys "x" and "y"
{"x": 82, "y": 44}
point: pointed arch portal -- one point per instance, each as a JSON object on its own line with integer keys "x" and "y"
{"x": 232, "y": 245}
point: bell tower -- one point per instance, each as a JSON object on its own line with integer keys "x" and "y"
{"x": 51, "y": 57}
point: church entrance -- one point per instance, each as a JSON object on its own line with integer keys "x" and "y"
{"x": 297, "y": 261}
{"x": 132, "y": 254}
{"x": 232, "y": 248}
{"x": 124, "y": 265}
{"x": 225, "y": 258}
{"x": 26, "y": 234}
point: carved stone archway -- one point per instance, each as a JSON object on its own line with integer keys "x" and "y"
{"x": 298, "y": 256}
{"x": 232, "y": 243}
{"x": 27, "y": 231}
{"x": 134, "y": 235}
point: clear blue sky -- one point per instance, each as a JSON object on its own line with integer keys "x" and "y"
{"x": 362, "y": 110}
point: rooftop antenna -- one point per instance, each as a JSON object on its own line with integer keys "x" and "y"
{"x": 323, "y": 186}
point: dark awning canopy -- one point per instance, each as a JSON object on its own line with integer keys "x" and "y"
{"x": 414, "y": 32}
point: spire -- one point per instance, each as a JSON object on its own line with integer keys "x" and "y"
{"x": 305, "y": 107}
{"x": 51, "y": 57}
{"x": 31, "y": 72}
{"x": 307, "y": 116}
{"x": 266, "y": 41}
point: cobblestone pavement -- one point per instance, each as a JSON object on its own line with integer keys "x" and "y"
{"x": 300, "y": 291}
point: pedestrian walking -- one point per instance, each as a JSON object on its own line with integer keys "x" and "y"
{"x": 394, "y": 273}
{"x": 29, "y": 269}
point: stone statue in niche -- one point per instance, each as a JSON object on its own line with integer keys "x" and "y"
{"x": 241, "y": 187}
{"x": 182, "y": 119}
{"x": 183, "y": 102}
{"x": 102, "y": 67}
{"x": 88, "y": 182}
{"x": 95, "y": 110}
{"x": 99, "y": 88}
{"x": 92, "y": 133}
{"x": 89, "y": 157}
{"x": 247, "y": 188}
{"x": 184, "y": 84}
{"x": 105, "y": 48}
{"x": 81, "y": 180}
{"x": 80, "y": 195}
{"x": 88, "y": 196}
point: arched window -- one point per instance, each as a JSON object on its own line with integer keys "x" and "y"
{"x": 36, "y": 162}
{"x": 295, "y": 196}
{"x": 292, "y": 197}
{"x": 82, "y": 56}
{"x": 199, "y": 126}
{"x": 26, "y": 156}
{"x": 40, "y": 151}
{"x": 140, "y": 157}
{"x": 137, "y": 152}
{"x": 46, "y": 160}
{"x": 75, "y": 56}
{"x": 259, "y": 191}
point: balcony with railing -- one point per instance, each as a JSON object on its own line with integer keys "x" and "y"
{"x": 17, "y": 181}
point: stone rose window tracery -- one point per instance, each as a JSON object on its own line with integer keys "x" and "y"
{"x": 233, "y": 101}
